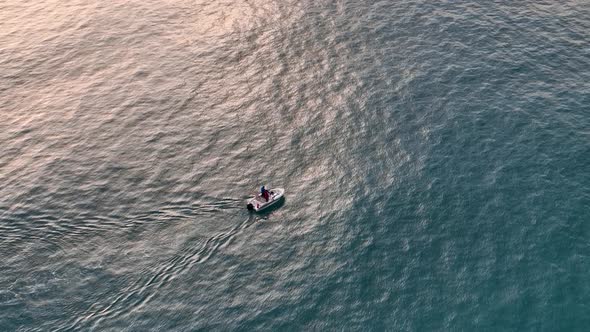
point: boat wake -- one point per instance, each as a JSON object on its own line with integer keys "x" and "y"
{"x": 144, "y": 289}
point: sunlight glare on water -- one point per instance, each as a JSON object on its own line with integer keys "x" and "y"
{"x": 434, "y": 156}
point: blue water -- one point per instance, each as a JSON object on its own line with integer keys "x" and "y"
{"x": 435, "y": 156}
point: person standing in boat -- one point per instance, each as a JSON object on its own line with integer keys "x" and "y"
{"x": 264, "y": 193}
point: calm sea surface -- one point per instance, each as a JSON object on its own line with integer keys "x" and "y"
{"x": 435, "y": 156}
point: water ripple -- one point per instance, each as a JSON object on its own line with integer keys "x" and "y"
{"x": 433, "y": 153}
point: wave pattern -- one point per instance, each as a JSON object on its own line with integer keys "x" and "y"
{"x": 140, "y": 292}
{"x": 434, "y": 154}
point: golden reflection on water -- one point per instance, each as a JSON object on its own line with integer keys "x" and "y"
{"x": 213, "y": 18}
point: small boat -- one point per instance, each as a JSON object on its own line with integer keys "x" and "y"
{"x": 258, "y": 203}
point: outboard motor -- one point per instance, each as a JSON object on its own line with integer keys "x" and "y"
{"x": 250, "y": 207}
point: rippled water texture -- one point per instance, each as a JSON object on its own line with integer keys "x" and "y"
{"x": 435, "y": 156}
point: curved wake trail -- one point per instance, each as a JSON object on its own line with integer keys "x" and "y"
{"x": 145, "y": 288}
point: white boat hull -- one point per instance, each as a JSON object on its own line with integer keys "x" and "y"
{"x": 258, "y": 203}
